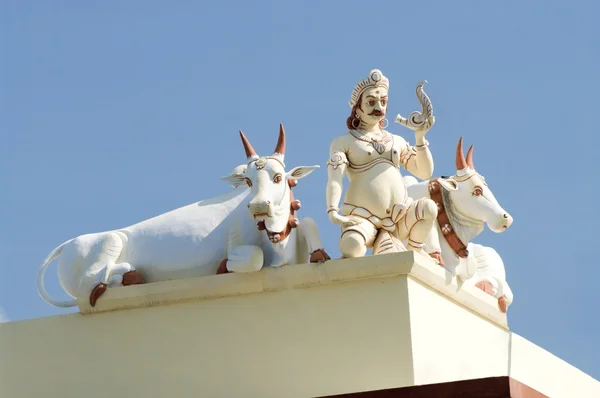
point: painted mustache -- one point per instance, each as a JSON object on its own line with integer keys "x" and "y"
{"x": 377, "y": 113}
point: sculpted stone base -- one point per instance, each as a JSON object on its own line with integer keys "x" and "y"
{"x": 304, "y": 330}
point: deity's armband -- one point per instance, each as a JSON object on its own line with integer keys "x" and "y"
{"x": 337, "y": 159}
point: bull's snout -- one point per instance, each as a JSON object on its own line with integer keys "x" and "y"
{"x": 260, "y": 208}
{"x": 508, "y": 220}
{"x": 500, "y": 222}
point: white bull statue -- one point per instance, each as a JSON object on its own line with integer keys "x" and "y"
{"x": 204, "y": 238}
{"x": 465, "y": 203}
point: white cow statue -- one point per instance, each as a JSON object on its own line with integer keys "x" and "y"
{"x": 212, "y": 236}
{"x": 465, "y": 203}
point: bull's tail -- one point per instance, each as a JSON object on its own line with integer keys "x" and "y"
{"x": 40, "y": 280}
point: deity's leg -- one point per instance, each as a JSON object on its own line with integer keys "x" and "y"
{"x": 353, "y": 244}
{"x": 432, "y": 245}
{"x": 356, "y": 239}
{"x": 418, "y": 223}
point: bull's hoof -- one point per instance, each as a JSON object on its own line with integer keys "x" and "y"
{"x": 502, "y": 304}
{"x": 485, "y": 286}
{"x": 319, "y": 256}
{"x": 223, "y": 268}
{"x": 132, "y": 278}
{"x": 437, "y": 257}
{"x": 97, "y": 292}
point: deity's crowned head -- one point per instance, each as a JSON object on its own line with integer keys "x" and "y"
{"x": 369, "y": 100}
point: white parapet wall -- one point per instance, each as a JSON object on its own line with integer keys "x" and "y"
{"x": 309, "y": 330}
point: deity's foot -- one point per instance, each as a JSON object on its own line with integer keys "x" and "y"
{"x": 386, "y": 243}
{"x": 487, "y": 288}
{"x": 319, "y": 256}
{"x": 425, "y": 254}
{"x": 132, "y": 278}
{"x": 437, "y": 257}
{"x": 419, "y": 248}
{"x": 223, "y": 268}
{"x": 97, "y": 292}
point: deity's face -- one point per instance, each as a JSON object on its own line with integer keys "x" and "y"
{"x": 373, "y": 105}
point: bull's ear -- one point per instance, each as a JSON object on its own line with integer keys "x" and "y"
{"x": 449, "y": 184}
{"x": 235, "y": 179}
{"x": 241, "y": 169}
{"x": 300, "y": 172}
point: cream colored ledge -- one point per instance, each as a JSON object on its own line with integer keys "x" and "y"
{"x": 301, "y": 276}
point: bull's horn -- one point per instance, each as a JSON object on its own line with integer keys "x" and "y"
{"x": 250, "y": 153}
{"x": 461, "y": 163}
{"x": 280, "y": 148}
{"x": 470, "y": 158}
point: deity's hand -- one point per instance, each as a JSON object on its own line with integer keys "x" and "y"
{"x": 421, "y": 131}
{"x": 341, "y": 220}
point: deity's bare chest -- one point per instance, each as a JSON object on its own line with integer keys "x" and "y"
{"x": 363, "y": 154}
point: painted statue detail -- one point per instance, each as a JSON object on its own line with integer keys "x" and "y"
{"x": 273, "y": 209}
{"x": 465, "y": 204}
{"x": 204, "y": 238}
{"x": 377, "y": 212}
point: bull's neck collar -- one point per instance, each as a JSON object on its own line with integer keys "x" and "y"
{"x": 449, "y": 230}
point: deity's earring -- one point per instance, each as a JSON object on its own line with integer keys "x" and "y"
{"x": 356, "y": 119}
{"x": 385, "y": 124}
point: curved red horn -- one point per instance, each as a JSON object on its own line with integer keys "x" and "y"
{"x": 280, "y": 148}
{"x": 470, "y": 158}
{"x": 247, "y": 147}
{"x": 461, "y": 163}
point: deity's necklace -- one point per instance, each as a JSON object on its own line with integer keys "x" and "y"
{"x": 378, "y": 143}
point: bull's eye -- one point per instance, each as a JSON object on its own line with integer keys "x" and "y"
{"x": 477, "y": 191}
{"x": 277, "y": 179}
{"x": 248, "y": 182}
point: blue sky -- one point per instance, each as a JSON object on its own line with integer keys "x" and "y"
{"x": 114, "y": 112}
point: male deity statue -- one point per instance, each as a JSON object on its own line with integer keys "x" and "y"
{"x": 377, "y": 212}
